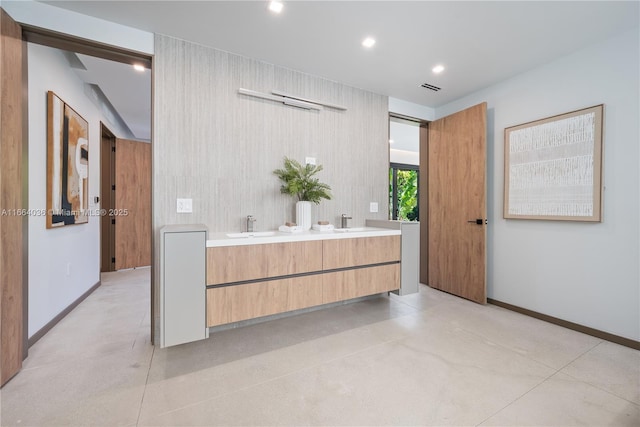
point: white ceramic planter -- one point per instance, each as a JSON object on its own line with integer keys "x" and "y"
{"x": 303, "y": 215}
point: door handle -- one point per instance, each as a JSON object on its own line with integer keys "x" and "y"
{"x": 477, "y": 221}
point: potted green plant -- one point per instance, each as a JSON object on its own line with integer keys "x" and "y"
{"x": 300, "y": 182}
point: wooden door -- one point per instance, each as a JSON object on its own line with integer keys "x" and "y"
{"x": 132, "y": 211}
{"x": 456, "y": 203}
{"x": 12, "y": 323}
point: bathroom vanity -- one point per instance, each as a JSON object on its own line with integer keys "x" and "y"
{"x": 259, "y": 276}
{"x": 233, "y": 277}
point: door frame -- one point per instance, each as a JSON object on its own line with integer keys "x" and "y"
{"x": 423, "y": 204}
{"x": 107, "y": 199}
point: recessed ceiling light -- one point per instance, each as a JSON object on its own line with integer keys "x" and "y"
{"x": 276, "y": 6}
{"x": 138, "y": 67}
{"x": 438, "y": 69}
{"x": 368, "y": 42}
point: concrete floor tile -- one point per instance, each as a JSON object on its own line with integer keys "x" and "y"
{"x": 610, "y": 367}
{"x": 565, "y": 401}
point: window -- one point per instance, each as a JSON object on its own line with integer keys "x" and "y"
{"x": 404, "y": 160}
{"x": 404, "y": 192}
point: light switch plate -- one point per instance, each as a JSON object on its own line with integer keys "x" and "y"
{"x": 310, "y": 160}
{"x": 185, "y": 206}
{"x": 373, "y": 207}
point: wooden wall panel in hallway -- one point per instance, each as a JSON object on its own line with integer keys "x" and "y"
{"x": 133, "y": 204}
{"x": 11, "y": 186}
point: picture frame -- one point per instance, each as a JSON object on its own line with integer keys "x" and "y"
{"x": 553, "y": 167}
{"x": 67, "y": 164}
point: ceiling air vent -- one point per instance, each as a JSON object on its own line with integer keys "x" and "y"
{"x": 430, "y": 87}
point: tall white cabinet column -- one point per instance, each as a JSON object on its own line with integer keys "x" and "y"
{"x": 183, "y": 284}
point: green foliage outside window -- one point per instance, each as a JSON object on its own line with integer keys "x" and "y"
{"x": 407, "y": 194}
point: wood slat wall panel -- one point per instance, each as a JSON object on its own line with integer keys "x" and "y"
{"x": 133, "y": 193}
{"x": 220, "y": 148}
{"x": 11, "y": 235}
{"x": 238, "y": 263}
{"x": 340, "y": 253}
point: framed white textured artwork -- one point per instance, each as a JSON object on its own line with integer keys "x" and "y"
{"x": 553, "y": 167}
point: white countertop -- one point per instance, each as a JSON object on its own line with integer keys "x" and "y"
{"x": 222, "y": 239}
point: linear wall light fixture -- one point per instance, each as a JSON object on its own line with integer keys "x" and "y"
{"x": 285, "y": 100}
{"x": 299, "y": 98}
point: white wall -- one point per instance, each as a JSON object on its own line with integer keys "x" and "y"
{"x": 51, "y": 286}
{"x": 583, "y": 273}
{"x": 409, "y": 109}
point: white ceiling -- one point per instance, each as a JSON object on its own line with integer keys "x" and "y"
{"x": 480, "y": 43}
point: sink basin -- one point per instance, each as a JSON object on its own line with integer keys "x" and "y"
{"x": 246, "y": 234}
{"x": 351, "y": 229}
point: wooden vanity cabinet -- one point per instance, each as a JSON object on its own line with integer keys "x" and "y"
{"x": 359, "y": 282}
{"x": 228, "y": 304}
{"x": 230, "y": 264}
{"x": 250, "y": 281}
{"x": 341, "y": 253}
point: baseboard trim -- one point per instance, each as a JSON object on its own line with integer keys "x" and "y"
{"x": 569, "y": 325}
{"x": 46, "y": 328}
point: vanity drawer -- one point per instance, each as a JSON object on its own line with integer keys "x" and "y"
{"x": 359, "y": 282}
{"x": 232, "y": 264}
{"x": 228, "y": 304}
{"x": 341, "y": 253}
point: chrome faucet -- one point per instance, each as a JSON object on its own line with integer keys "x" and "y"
{"x": 343, "y": 221}
{"x": 250, "y": 224}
